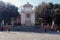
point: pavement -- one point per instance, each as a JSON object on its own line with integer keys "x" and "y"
{"x": 28, "y": 36}
{"x": 28, "y": 33}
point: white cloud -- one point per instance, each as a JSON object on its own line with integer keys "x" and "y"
{"x": 14, "y": 2}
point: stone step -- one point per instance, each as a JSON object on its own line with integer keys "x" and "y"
{"x": 25, "y": 28}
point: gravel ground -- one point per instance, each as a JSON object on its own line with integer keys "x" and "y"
{"x": 28, "y": 36}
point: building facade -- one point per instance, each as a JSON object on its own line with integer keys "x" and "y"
{"x": 27, "y": 15}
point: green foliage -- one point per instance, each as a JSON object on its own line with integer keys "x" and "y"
{"x": 7, "y": 11}
{"x": 46, "y": 10}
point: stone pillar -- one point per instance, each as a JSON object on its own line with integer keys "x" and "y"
{"x": 22, "y": 18}
{"x": 33, "y": 19}
{"x": 12, "y": 21}
{"x": 2, "y": 24}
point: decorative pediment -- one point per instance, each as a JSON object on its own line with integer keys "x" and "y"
{"x": 28, "y": 5}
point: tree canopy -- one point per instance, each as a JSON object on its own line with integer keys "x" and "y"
{"x": 7, "y": 11}
{"x": 45, "y": 10}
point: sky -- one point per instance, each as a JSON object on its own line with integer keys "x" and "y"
{"x": 19, "y": 3}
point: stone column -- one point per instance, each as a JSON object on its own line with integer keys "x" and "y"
{"x": 22, "y": 18}
{"x": 33, "y": 19}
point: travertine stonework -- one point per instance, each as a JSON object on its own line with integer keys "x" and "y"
{"x": 27, "y": 15}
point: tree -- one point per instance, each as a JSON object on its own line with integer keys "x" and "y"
{"x": 44, "y": 10}
{"x": 7, "y": 11}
